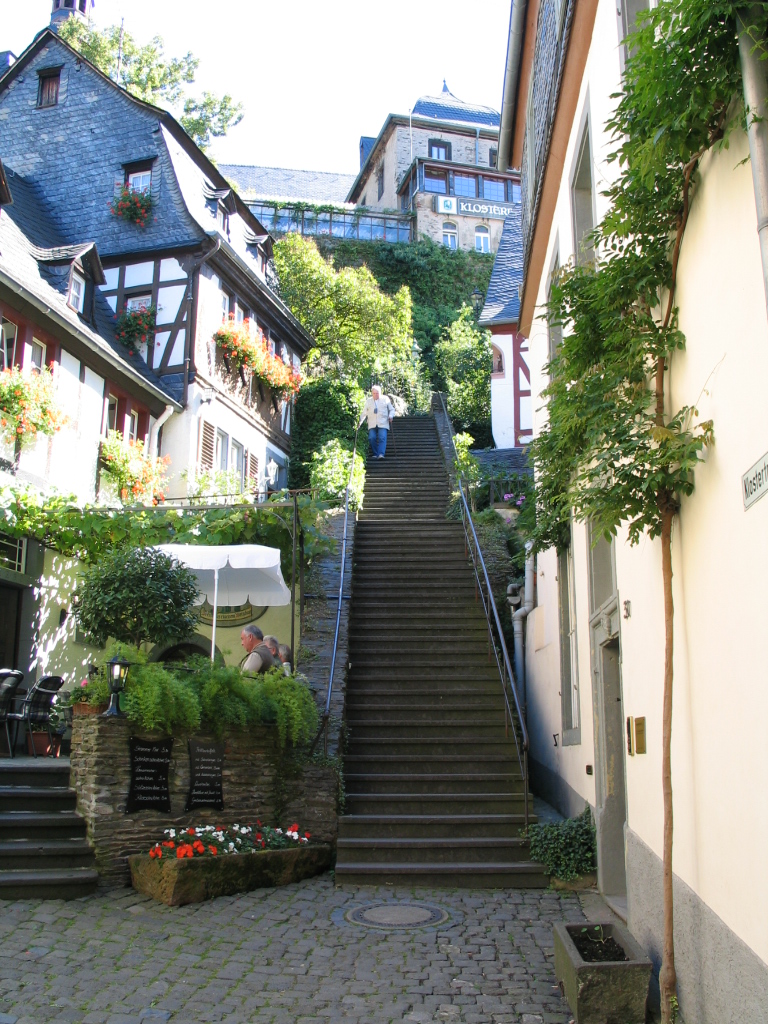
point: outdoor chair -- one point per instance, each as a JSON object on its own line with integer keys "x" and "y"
{"x": 36, "y": 708}
{"x": 9, "y": 684}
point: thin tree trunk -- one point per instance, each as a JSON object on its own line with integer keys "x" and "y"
{"x": 668, "y": 975}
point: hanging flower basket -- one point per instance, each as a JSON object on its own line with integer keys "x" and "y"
{"x": 27, "y": 405}
{"x": 133, "y": 476}
{"x": 243, "y": 350}
{"x": 132, "y": 206}
{"x": 136, "y": 326}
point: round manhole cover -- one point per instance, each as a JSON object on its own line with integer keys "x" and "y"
{"x": 397, "y": 915}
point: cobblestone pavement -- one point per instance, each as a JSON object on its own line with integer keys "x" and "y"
{"x": 283, "y": 955}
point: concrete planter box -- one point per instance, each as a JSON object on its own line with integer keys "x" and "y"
{"x": 177, "y": 881}
{"x": 602, "y": 993}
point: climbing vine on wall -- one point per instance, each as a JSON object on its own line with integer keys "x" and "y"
{"x": 613, "y": 452}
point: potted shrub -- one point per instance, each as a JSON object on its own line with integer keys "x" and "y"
{"x": 27, "y": 406}
{"x": 136, "y": 326}
{"x": 603, "y": 973}
{"x": 126, "y": 466}
{"x": 194, "y": 864}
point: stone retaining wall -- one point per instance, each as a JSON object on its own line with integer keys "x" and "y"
{"x": 255, "y": 776}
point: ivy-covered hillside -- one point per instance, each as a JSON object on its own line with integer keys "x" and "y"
{"x": 439, "y": 279}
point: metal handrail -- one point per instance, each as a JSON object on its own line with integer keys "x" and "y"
{"x": 323, "y": 730}
{"x": 489, "y": 605}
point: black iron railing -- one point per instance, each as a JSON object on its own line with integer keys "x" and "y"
{"x": 323, "y": 730}
{"x": 497, "y": 648}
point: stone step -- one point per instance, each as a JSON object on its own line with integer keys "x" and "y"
{"x": 488, "y": 697}
{"x": 430, "y": 782}
{"x": 410, "y": 745}
{"x": 48, "y": 772}
{"x": 435, "y": 826}
{"x": 65, "y": 853}
{"x": 486, "y": 849}
{"x": 436, "y": 764}
{"x": 360, "y": 713}
{"x": 416, "y": 650}
{"x": 430, "y": 661}
{"x": 524, "y": 875}
{"x": 61, "y": 884}
{"x": 47, "y": 825}
{"x": 447, "y": 677}
{"x": 435, "y": 803}
{"x": 37, "y": 798}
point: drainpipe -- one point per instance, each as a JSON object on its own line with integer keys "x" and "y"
{"x": 518, "y": 622}
{"x": 154, "y": 434}
{"x": 192, "y": 321}
{"x": 751, "y": 50}
{"x": 511, "y": 82}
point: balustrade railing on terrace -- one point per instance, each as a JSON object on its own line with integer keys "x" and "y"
{"x": 369, "y": 227}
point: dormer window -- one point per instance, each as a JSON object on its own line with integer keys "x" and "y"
{"x": 222, "y": 219}
{"x": 48, "y": 87}
{"x": 77, "y": 292}
{"x": 139, "y": 181}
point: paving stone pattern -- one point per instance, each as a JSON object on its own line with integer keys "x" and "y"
{"x": 286, "y": 956}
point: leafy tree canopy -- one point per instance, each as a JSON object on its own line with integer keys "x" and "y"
{"x": 357, "y": 327}
{"x": 147, "y": 73}
{"x": 463, "y": 363}
{"x": 137, "y": 595}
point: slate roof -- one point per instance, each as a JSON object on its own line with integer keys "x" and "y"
{"x": 28, "y": 238}
{"x": 502, "y": 303}
{"x": 447, "y": 107}
{"x": 285, "y": 184}
{"x": 504, "y": 460}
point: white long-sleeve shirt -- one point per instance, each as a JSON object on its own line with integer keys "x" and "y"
{"x": 379, "y": 412}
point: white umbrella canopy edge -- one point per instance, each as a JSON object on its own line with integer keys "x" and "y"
{"x": 240, "y": 572}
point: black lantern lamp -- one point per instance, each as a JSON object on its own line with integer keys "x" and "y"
{"x": 117, "y": 670}
{"x": 477, "y": 301}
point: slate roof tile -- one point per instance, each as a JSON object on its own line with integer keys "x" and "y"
{"x": 285, "y": 184}
{"x": 502, "y": 303}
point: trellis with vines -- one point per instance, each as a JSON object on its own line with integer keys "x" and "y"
{"x": 611, "y": 452}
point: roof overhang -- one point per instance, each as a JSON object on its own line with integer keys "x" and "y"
{"x": 5, "y": 193}
{"x": 579, "y": 42}
{"x": 517, "y": 31}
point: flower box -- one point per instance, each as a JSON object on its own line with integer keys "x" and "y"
{"x": 602, "y": 991}
{"x": 176, "y": 882}
{"x": 82, "y": 707}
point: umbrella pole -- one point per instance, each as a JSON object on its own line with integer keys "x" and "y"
{"x": 215, "y": 605}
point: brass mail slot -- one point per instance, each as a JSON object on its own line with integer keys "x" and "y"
{"x": 640, "y": 735}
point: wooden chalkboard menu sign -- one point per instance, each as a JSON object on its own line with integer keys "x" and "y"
{"x": 206, "y": 762}
{"x": 150, "y": 761}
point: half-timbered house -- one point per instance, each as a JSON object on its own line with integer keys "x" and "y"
{"x": 196, "y": 257}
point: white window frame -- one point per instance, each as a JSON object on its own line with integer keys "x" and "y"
{"x": 136, "y": 182}
{"x": 451, "y": 232}
{"x": 135, "y": 303}
{"x": 234, "y": 448}
{"x": 77, "y": 291}
{"x": 110, "y": 399}
{"x": 30, "y": 349}
{"x": 4, "y": 323}
{"x": 221, "y": 450}
{"x": 131, "y": 426}
{"x": 482, "y": 232}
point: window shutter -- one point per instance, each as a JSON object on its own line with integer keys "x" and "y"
{"x": 253, "y": 472}
{"x": 207, "y": 447}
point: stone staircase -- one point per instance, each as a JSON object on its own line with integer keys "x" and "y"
{"x": 44, "y": 853}
{"x": 434, "y": 789}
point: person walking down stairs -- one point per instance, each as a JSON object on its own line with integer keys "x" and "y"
{"x": 379, "y": 412}
{"x": 434, "y": 789}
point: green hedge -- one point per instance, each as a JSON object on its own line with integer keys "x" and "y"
{"x": 327, "y": 408}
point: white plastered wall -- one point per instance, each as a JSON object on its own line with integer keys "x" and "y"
{"x": 503, "y": 395}
{"x": 720, "y": 551}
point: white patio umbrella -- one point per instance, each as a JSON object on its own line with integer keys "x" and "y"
{"x": 233, "y": 574}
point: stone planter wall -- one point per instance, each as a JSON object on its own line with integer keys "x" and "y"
{"x": 254, "y": 777}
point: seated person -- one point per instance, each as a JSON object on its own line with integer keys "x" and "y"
{"x": 258, "y": 657}
{"x": 285, "y": 656}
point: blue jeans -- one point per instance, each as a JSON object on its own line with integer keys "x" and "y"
{"x": 378, "y": 445}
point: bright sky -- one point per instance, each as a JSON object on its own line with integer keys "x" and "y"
{"x": 313, "y": 75}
